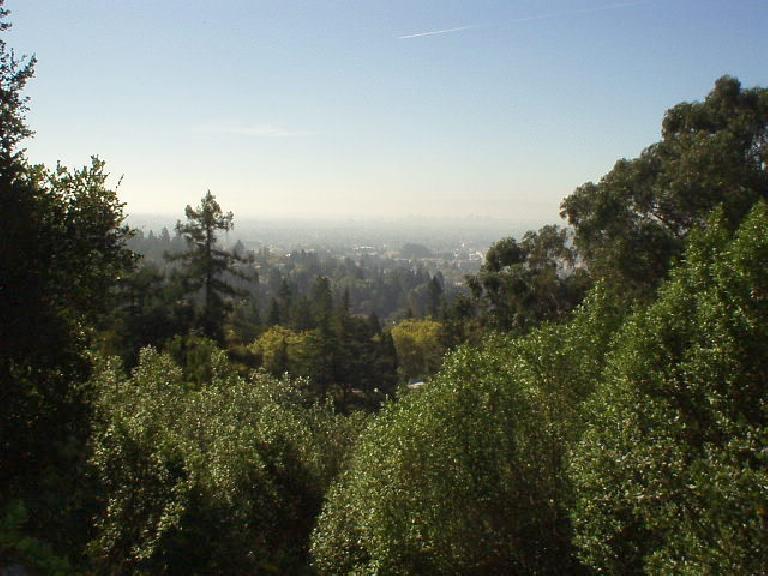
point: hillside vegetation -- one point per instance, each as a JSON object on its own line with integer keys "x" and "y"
{"x": 593, "y": 401}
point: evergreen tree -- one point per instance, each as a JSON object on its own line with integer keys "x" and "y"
{"x": 385, "y": 363}
{"x": 285, "y": 301}
{"x": 328, "y": 343}
{"x": 205, "y": 265}
{"x": 435, "y": 295}
{"x": 274, "y": 313}
{"x": 14, "y": 75}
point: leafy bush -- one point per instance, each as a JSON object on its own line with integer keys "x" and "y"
{"x": 465, "y": 475}
{"x": 224, "y": 477}
{"x": 672, "y": 472}
{"x": 419, "y": 348}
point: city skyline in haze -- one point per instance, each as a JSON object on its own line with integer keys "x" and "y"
{"x": 340, "y": 109}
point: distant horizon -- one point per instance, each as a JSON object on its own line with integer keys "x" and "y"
{"x": 312, "y": 232}
{"x": 361, "y": 218}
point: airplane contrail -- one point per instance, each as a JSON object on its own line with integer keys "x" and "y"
{"x": 604, "y": 7}
{"x": 435, "y": 32}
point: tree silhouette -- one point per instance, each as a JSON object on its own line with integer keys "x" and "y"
{"x": 205, "y": 265}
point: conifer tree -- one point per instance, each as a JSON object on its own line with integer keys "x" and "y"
{"x": 15, "y": 72}
{"x": 205, "y": 264}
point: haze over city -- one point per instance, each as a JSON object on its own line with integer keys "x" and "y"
{"x": 376, "y": 109}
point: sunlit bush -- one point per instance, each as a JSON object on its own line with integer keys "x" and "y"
{"x": 465, "y": 476}
{"x": 672, "y": 473}
{"x": 226, "y": 477}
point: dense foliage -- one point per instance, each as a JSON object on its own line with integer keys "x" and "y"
{"x": 466, "y": 475}
{"x": 61, "y": 249}
{"x": 239, "y": 413}
{"x": 224, "y": 476}
{"x": 523, "y": 284}
{"x": 631, "y": 223}
{"x": 15, "y": 72}
{"x": 350, "y": 359}
{"x": 671, "y": 474}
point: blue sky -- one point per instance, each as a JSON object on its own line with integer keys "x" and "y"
{"x": 370, "y": 108}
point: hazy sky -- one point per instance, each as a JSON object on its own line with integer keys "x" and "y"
{"x": 370, "y": 108}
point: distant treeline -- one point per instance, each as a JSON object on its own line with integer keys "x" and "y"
{"x": 375, "y": 284}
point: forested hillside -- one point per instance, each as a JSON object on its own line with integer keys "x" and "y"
{"x": 593, "y": 401}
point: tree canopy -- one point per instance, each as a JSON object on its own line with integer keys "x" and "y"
{"x": 524, "y": 283}
{"x": 632, "y": 223}
{"x": 211, "y": 475}
{"x": 62, "y": 246}
{"x": 15, "y": 72}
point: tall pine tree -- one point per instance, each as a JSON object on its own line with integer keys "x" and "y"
{"x": 205, "y": 265}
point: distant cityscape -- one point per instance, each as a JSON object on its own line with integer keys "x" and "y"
{"x": 436, "y": 244}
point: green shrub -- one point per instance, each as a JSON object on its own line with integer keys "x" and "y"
{"x": 465, "y": 476}
{"x": 220, "y": 477}
{"x": 672, "y": 472}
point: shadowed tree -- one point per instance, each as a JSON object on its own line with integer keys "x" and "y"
{"x": 632, "y": 223}
{"x": 61, "y": 249}
{"x": 205, "y": 265}
{"x": 528, "y": 282}
{"x": 14, "y": 74}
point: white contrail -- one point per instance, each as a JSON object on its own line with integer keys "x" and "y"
{"x": 604, "y": 7}
{"x": 435, "y": 32}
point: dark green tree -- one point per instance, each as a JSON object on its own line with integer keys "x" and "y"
{"x": 435, "y": 295}
{"x": 301, "y": 314}
{"x": 145, "y": 314}
{"x": 62, "y": 247}
{"x": 285, "y": 301}
{"x": 461, "y": 322}
{"x": 632, "y": 223}
{"x": 15, "y": 72}
{"x": 525, "y": 283}
{"x": 274, "y": 313}
{"x": 385, "y": 363}
{"x": 205, "y": 265}
{"x": 327, "y": 338}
